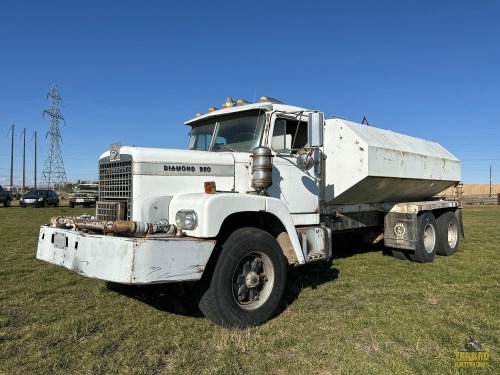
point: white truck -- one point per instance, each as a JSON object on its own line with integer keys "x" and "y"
{"x": 85, "y": 194}
{"x": 263, "y": 187}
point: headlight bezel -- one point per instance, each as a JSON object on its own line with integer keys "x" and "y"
{"x": 186, "y": 219}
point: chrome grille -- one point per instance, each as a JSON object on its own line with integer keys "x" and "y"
{"x": 115, "y": 189}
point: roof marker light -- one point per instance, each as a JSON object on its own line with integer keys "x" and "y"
{"x": 243, "y": 102}
{"x": 229, "y": 103}
{"x": 211, "y": 109}
{"x": 268, "y": 99}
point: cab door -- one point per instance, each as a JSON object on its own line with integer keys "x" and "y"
{"x": 297, "y": 187}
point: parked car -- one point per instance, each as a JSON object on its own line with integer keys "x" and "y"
{"x": 40, "y": 198}
{"x": 15, "y": 192}
{"x": 5, "y": 197}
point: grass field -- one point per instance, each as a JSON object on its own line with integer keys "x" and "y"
{"x": 365, "y": 313}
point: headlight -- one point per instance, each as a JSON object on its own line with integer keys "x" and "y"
{"x": 40, "y": 199}
{"x": 70, "y": 195}
{"x": 186, "y": 219}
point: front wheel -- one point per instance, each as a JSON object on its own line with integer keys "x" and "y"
{"x": 6, "y": 203}
{"x": 248, "y": 281}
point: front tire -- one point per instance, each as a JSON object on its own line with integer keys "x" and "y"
{"x": 426, "y": 239}
{"x": 448, "y": 236}
{"x": 248, "y": 281}
{"x": 6, "y": 203}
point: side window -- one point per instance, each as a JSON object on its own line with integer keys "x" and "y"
{"x": 201, "y": 137}
{"x": 289, "y": 135}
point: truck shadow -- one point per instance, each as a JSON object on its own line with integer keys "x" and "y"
{"x": 175, "y": 298}
{"x": 343, "y": 251}
{"x": 180, "y": 298}
{"x": 309, "y": 276}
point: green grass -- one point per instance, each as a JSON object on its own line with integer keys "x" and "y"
{"x": 363, "y": 314}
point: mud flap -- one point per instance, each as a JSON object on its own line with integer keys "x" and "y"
{"x": 458, "y": 214}
{"x": 400, "y": 230}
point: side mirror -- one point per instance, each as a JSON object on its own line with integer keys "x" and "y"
{"x": 315, "y": 129}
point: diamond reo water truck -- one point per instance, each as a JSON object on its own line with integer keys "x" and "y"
{"x": 262, "y": 187}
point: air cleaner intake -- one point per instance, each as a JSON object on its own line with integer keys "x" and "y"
{"x": 262, "y": 168}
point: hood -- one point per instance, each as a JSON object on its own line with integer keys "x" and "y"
{"x": 157, "y": 175}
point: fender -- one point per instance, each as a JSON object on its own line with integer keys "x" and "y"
{"x": 213, "y": 209}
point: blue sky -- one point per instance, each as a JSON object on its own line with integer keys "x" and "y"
{"x": 134, "y": 71}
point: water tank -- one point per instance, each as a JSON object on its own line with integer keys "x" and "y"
{"x": 365, "y": 164}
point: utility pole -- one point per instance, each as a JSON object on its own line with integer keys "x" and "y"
{"x": 490, "y": 181}
{"x": 53, "y": 171}
{"x": 35, "y": 160}
{"x": 12, "y": 158}
{"x": 24, "y": 158}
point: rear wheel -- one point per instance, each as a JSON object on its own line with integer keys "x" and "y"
{"x": 248, "y": 281}
{"x": 399, "y": 254}
{"x": 6, "y": 203}
{"x": 426, "y": 239}
{"x": 447, "y": 234}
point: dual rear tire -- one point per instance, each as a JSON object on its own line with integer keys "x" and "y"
{"x": 449, "y": 233}
{"x": 435, "y": 236}
{"x": 427, "y": 238}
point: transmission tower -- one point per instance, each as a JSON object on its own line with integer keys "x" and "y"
{"x": 53, "y": 174}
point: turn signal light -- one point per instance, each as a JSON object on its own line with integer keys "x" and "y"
{"x": 210, "y": 187}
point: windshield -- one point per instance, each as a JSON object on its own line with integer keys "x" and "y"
{"x": 240, "y": 131}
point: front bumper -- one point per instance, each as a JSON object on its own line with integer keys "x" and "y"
{"x": 78, "y": 201}
{"x": 31, "y": 204}
{"x": 126, "y": 260}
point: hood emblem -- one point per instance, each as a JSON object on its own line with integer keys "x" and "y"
{"x": 114, "y": 152}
